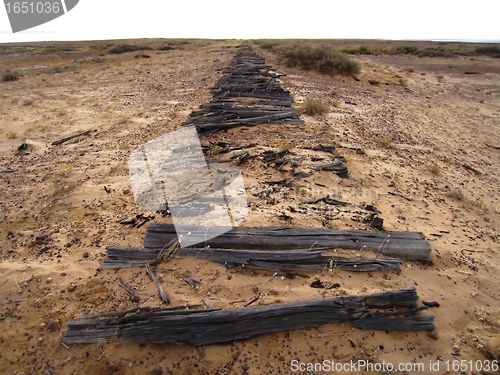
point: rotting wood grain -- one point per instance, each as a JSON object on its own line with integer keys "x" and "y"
{"x": 390, "y": 310}
{"x": 405, "y": 245}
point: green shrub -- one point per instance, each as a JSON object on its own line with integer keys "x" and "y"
{"x": 9, "y": 76}
{"x": 321, "y": 58}
{"x": 123, "y": 48}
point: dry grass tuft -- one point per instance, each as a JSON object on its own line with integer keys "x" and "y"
{"x": 11, "y": 135}
{"x": 384, "y": 140}
{"x": 123, "y": 120}
{"x": 214, "y": 150}
{"x": 435, "y": 169}
{"x": 456, "y": 195}
{"x": 285, "y": 145}
{"x": 314, "y": 107}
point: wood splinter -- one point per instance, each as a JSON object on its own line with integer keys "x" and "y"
{"x": 154, "y": 279}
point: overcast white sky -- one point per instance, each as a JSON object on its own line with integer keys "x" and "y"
{"x": 375, "y": 19}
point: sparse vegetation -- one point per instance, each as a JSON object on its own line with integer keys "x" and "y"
{"x": 55, "y": 49}
{"x": 123, "y": 120}
{"x": 435, "y": 169}
{"x": 124, "y": 48}
{"x": 214, "y": 150}
{"x": 456, "y": 195}
{"x": 9, "y": 76}
{"x": 493, "y": 51}
{"x": 324, "y": 59}
{"x": 405, "y": 50}
{"x": 384, "y": 140}
{"x": 428, "y": 52}
{"x": 285, "y": 145}
{"x": 166, "y": 47}
{"x": 97, "y": 47}
{"x": 362, "y": 50}
{"x": 314, "y": 107}
{"x": 266, "y": 43}
{"x": 11, "y": 135}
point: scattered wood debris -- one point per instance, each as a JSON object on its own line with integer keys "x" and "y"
{"x": 138, "y": 221}
{"x": 130, "y": 291}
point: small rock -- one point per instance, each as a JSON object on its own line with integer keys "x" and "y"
{"x": 71, "y": 288}
{"x": 431, "y": 303}
{"x": 54, "y": 326}
{"x": 317, "y": 284}
{"x": 49, "y": 280}
{"x": 23, "y": 146}
{"x": 86, "y": 254}
{"x": 157, "y": 371}
{"x": 455, "y": 350}
{"x": 42, "y": 239}
{"x": 433, "y": 334}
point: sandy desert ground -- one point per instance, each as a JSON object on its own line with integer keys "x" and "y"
{"x": 421, "y": 139}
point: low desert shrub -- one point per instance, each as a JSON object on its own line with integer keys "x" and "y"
{"x": 423, "y": 52}
{"x": 362, "y": 50}
{"x": 124, "y": 48}
{"x": 323, "y": 59}
{"x": 493, "y": 51}
{"x": 9, "y": 76}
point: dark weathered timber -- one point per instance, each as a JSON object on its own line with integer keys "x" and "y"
{"x": 66, "y": 139}
{"x": 390, "y": 310}
{"x": 247, "y": 94}
{"x": 406, "y": 245}
{"x": 308, "y": 260}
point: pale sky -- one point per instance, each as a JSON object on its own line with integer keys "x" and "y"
{"x": 352, "y": 19}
